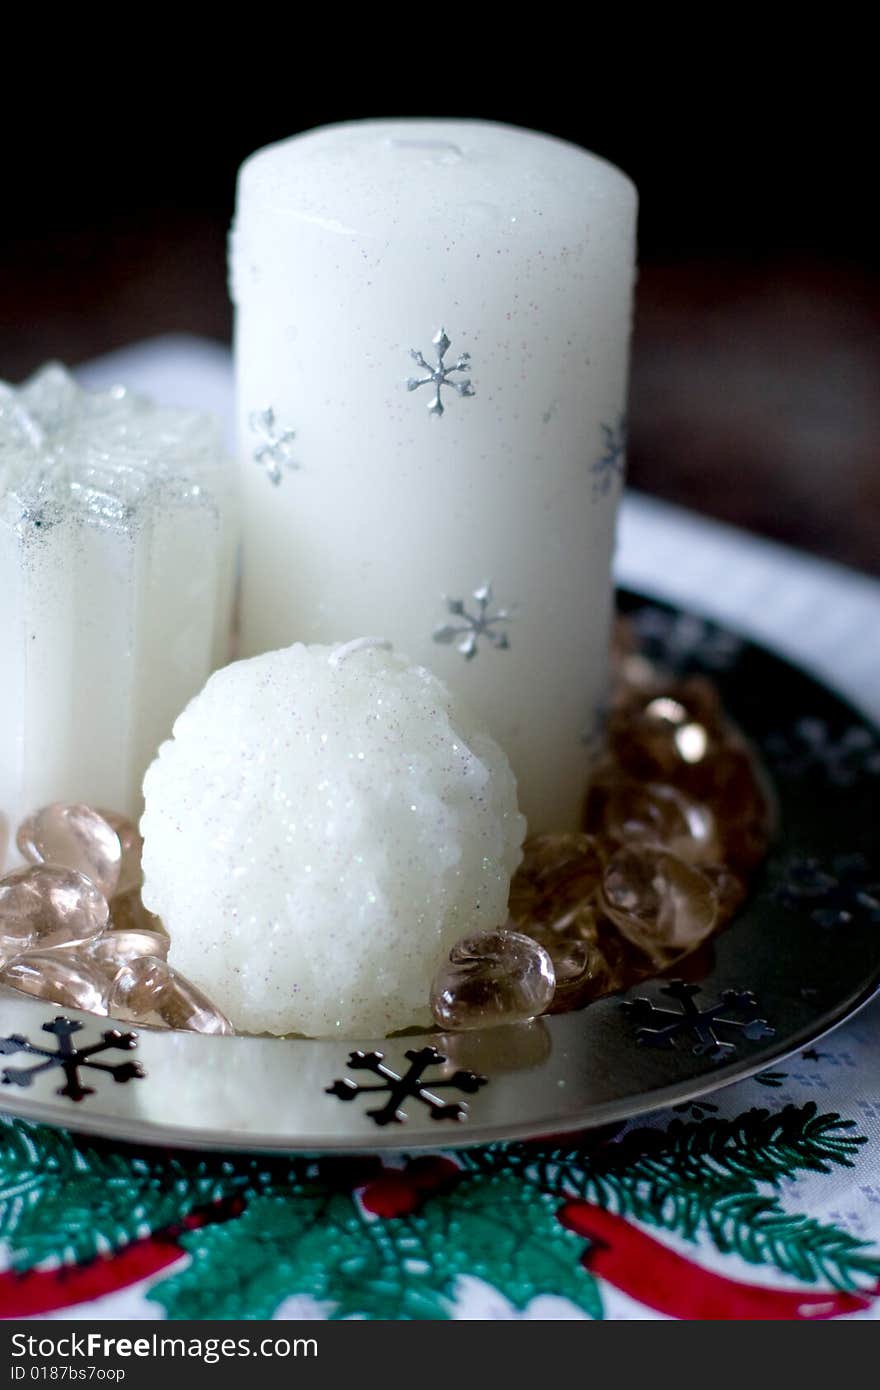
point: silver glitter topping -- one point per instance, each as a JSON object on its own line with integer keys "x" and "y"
{"x": 441, "y": 375}
{"x": 275, "y": 452}
{"x": 471, "y": 627}
{"x": 611, "y": 464}
{"x": 103, "y": 458}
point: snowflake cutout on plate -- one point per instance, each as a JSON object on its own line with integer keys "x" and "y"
{"x": 275, "y": 453}
{"x": 811, "y": 747}
{"x": 683, "y": 643}
{"x": 846, "y": 891}
{"x": 400, "y": 1087}
{"x": 484, "y": 623}
{"x": 611, "y": 465}
{"x": 69, "y": 1058}
{"x": 662, "y": 1027}
{"x": 441, "y": 375}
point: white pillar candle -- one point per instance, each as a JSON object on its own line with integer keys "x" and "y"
{"x": 432, "y": 333}
{"x": 116, "y": 569}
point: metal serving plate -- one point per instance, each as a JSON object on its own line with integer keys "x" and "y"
{"x": 801, "y": 956}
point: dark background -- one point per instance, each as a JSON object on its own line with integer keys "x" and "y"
{"x": 757, "y": 353}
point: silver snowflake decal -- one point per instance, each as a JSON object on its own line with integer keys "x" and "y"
{"x": 275, "y": 452}
{"x": 70, "y": 1059}
{"x": 611, "y": 464}
{"x": 441, "y": 375}
{"x": 734, "y": 1013}
{"x": 683, "y": 643}
{"x": 812, "y": 748}
{"x": 404, "y": 1085}
{"x": 844, "y": 891}
{"x": 471, "y": 627}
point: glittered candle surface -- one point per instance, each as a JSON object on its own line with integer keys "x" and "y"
{"x": 116, "y": 569}
{"x": 432, "y": 336}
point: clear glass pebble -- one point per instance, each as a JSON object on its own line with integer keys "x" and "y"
{"x": 59, "y": 977}
{"x": 654, "y": 813}
{"x": 114, "y": 949}
{"x": 570, "y": 957}
{"x": 490, "y": 978}
{"x": 149, "y": 991}
{"x": 660, "y": 904}
{"x": 73, "y": 837}
{"x": 45, "y": 906}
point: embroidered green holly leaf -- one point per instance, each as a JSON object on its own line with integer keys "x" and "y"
{"x": 494, "y": 1228}
{"x": 513, "y": 1240}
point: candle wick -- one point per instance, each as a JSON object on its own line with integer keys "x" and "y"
{"x": 359, "y": 644}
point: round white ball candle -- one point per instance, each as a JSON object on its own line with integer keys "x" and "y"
{"x": 323, "y": 826}
{"x": 432, "y": 332}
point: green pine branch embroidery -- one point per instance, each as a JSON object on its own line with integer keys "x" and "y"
{"x": 33, "y": 1161}
{"x": 65, "y": 1201}
{"x": 704, "y": 1178}
{"x": 493, "y": 1228}
{"x": 303, "y": 1230}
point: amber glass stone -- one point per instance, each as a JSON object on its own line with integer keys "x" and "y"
{"x": 491, "y": 978}
{"x": 661, "y": 905}
{"x": 556, "y": 883}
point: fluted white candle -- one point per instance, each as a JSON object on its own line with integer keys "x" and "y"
{"x": 432, "y": 341}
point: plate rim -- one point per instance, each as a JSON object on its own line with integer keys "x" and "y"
{"x": 128, "y": 1128}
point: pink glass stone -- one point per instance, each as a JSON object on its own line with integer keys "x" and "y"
{"x": 44, "y": 906}
{"x": 131, "y": 874}
{"x": 114, "y": 949}
{"x": 490, "y": 978}
{"x": 660, "y": 904}
{"x": 59, "y": 977}
{"x": 73, "y": 837}
{"x": 149, "y": 991}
